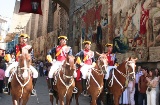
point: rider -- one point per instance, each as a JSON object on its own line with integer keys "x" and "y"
{"x": 112, "y": 63}
{"x": 18, "y": 50}
{"x": 60, "y": 52}
{"x": 86, "y": 59}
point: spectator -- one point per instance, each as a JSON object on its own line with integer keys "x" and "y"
{"x": 41, "y": 65}
{"x": 158, "y": 87}
{"x": 2, "y": 76}
{"x": 138, "y": 74}
{"x": 131, "y": 89}
{"x": 151, "y": 90}
{"x": 157, "y": 71}
{"x": 142, "y": 87}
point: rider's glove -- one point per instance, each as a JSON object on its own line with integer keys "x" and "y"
{"x": 116, "y": 64}
{"x": 82, "y": 64}
{"x": 93, "y": 64}
{"x": 49, "y": 58}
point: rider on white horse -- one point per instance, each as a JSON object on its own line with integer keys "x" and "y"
{"x": 60, "y": 52}
{"x": 86, "y": 60}
{"x": 18, "y": 50}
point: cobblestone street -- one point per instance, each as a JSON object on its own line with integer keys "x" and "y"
{"x": 42, "y": 92}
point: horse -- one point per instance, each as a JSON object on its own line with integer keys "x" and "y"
{"x": 117, "y": 82}
{"x": 65, "y": 81}
{"x": 95, "y": 83}
{"x": 21, "y": 84}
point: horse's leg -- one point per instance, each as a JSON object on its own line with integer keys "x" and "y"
{"x": 79, "y": 86}
{"x": 61, "y": 100}
{"x": 51, "y": 99}
{"x": 116, "y": 98}
{"x": 94, "y": 100}
{"x": 76, "y": 97}
{"x": 57, "y": 101}
{"x": 15, "y": 102}
{"x": 25, "y": 100}
{"x": 68, "y": 98}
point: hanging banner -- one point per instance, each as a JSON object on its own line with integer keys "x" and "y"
{"x": 31, "y": 6}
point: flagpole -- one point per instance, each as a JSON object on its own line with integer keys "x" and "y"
{"x": 81, "y": 41}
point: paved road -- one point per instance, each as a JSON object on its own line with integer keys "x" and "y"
{"x": 42, "y": 92}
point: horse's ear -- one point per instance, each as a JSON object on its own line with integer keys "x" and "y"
{"x": 98, "y": 53}
{"x": 136, "y": 59}
{"x": 129, "y": 58}
{"x": 64, "y": 64}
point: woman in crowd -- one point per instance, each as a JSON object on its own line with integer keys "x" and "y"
{"x": 131, "y": 89}
{"x": 152, "y": 85}
{"x": 2, "y": 75}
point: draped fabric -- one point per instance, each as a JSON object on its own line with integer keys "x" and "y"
{"x": 136, "y": 17}
{"x": 143, "y": 20}
{"x": 26, "y": 6}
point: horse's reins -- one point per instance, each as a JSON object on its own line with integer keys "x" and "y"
{"x": 100, "y": 87}
{"x": 124, "y": 75}
{"x": 67, "y": 86}
{"x": 22, "y": 85}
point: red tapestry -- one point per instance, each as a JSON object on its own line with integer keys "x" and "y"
{"x": 143, "y": 20}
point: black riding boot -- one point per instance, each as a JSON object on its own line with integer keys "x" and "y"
{"x": 51, "y": 86}
{"x": 34, "y": 91}
{"x": 105, "y": 86}
{"x": 84, "y": 87}
{"x": 6, "y": 90}
{"x": 75, "y": 90}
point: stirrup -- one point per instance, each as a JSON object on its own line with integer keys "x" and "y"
{"x": 75, "y": 90}
{"x": 50, "y": 92}
{"x": 85, "y": 93}
{"x": 106, "y": 91}
{"x": 5, "y": 90}
{"x": 33, "y": 93}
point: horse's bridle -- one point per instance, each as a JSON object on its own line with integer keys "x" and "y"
{"x": 104, "y": 65}
{"x": 132, "y": 65}
{"x": 66, "y": 76}
{"x": 126, "y": 75}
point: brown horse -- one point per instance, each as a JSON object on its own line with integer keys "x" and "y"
{"x": 21, "y": 84}
{"x": 95, "y": 84}
{"x": 119, "y": 78}
{"x": 65, "y": 81}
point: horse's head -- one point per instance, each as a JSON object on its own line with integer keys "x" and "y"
{"x": 102, "y": 62}
{"x": 130, "y": 65}
{"x": 24, "y": 64}
{"x": 69, "y": 68}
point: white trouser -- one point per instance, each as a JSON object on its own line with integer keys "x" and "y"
{"x": 151, "y": 97}
{"x": 108, "y": 71}
{"x": 131, "y": 95}
{"x": 55, "y": 66}
{"x": 85, "y": 69}
{"x": 15, "y": 64}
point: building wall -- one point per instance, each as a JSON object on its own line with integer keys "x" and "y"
{"x": 120, "y": 22}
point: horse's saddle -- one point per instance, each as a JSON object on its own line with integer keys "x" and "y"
{"x": 13, "y": 71}
{"x": 55, "y": 76}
